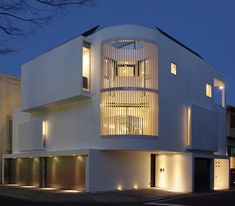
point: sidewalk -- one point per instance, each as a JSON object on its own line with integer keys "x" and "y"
{"x": 131, "y": 196}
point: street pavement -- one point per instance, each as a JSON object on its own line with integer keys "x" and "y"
{"x": 148, "y": 197}
{"x": 220, "y": 198}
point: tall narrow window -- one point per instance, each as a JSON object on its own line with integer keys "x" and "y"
{"x": 208, "y": 90}
{"x": 9, "y": 135}
{"x": 86, "y": 64}
{"x": 173, "y": 68}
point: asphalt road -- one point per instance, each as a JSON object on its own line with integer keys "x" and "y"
{"x": 210, "y": 199}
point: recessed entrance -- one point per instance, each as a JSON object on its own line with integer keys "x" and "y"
{"x": 202, "y": 174}
{"x": 153, "y": 170}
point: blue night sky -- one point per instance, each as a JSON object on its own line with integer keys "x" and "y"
{"x": 206, "y": 26}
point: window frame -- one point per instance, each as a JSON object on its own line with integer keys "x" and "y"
{"x": 209, "y": 91}
{"x": 86, "y": 45}
{"x": 173, "y": 68}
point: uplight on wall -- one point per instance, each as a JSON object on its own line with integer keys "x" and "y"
{"x": 188, "y": 126}
{"x": 44, "y": 128}
{"x": 44, "y": 132}
{"x": 219, "y": 90}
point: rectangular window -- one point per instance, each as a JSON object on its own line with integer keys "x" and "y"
{"x": 126, "y": 70}
{"x": 173, "y": 68}
{"x": 208, "y": 90}
{"x": 86, "y": 64}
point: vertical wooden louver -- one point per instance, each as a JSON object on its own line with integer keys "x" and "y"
{"x": 129, "y": 85}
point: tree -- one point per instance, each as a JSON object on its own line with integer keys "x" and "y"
{"x": 20, "y": 18}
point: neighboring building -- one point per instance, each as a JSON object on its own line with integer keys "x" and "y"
{"x": 231, "y": 142}
{"x": 119, "y": 108}
{"x": 9, "y": 99}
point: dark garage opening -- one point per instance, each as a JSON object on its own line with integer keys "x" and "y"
{"x": 202, "y": 174}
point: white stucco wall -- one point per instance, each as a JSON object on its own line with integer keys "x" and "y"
{"x": 174, "y": 172}
{"x": 30, "y": 135}
{"x": 109, "y": 170}
{"x": 18, "y": 118}
{"x": 54, "y": 76}
{"x": 76, "y": 124}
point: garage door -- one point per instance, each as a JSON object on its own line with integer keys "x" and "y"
{"x": 66, "y": 173}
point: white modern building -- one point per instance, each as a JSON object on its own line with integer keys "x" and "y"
{"x": 119, "y": 108}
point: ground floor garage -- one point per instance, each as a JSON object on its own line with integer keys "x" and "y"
{"x": 96, "y": 170}
{"x": 60, "y": 172}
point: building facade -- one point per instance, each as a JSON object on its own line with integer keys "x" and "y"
{"x": 231, "y": 142}
{"x": 9, "y": 99}
{"x": 117, "y": 108}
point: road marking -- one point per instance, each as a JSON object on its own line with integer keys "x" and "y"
{"x": 162, "y": 204}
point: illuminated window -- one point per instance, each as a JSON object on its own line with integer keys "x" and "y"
{"x": 173, "y": 68}
{"x": 126, "y": 70}
{"x": 208, "y": 90}
{"x": 129, "y": 97}
{"x": 86, "y": 63}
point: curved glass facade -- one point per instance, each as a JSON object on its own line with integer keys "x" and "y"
{"x": 129, "y": 85}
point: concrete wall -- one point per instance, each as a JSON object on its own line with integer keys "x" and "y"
{"x": 118, "y": 170}
{"x": 174, "y": 172}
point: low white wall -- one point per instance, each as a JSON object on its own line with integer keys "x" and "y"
{"x": 174, "y": 172}
{"x": 113, "y": 170}
{"x": 30, "y": 136}
{"x": 221, "y": 174}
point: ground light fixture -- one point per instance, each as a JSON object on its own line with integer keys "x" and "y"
{"x": 119, "y": 188}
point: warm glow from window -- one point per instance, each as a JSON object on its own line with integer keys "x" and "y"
{"x": 129, "y": 113}
{"x": 86, "y": 66}
{"x": 173, "y": 68}
{"x": 189, "y": 126}
{"x": 125, "y": 70}
{"x": 208, "y": 90}
{"x": 129, "y": 88}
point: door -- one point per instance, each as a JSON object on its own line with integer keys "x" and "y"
{"x": 202, "y": 174}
